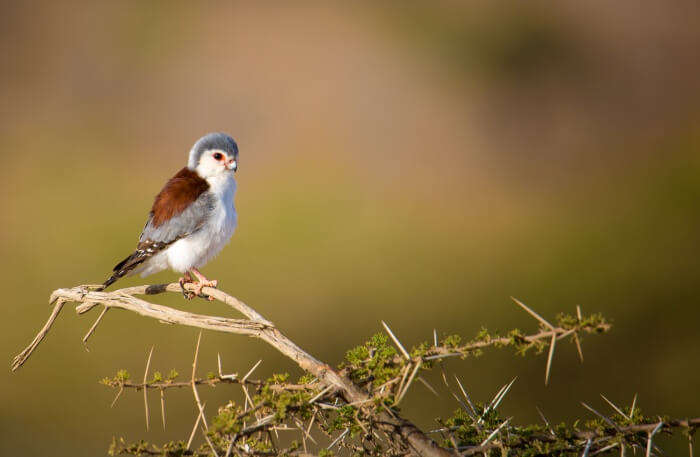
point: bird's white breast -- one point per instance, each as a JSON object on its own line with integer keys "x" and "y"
{"x": 200, "y": 247}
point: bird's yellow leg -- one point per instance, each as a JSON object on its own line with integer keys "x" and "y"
{"x": 203, "y": 282}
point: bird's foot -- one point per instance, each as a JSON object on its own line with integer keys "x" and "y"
{"x": 202, "y": 284}
{"x": 186, "y": 279}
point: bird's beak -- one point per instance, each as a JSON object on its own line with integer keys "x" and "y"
{"x": 232, "y": 165}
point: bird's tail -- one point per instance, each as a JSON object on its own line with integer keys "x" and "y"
{"x": 111, "y": 280}
{"x": 123, "y": 268}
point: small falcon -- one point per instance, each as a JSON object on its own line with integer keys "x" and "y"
{"x": 192, "y": 217}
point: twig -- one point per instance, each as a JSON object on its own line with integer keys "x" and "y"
{"x": 194, "y": 385}
{"x": 22, "y": 357}
{"x": 496, "y": 400}
{"x": 396, "y": 340}
{"x": 408, "y": 383}
{"x": 405, "y": 370}
{"x": 321, "y": 394}
{"x": 428, "y": 386}
{"x": 121, "y": 389}
{"x": 94, "y": 326}
{"x": 342, "y": 435}
{"x": 466, "y": 396}
{"x": 196, "y": 424}
{"x": 206, "y": 438}
{"x": 651, "y": 437}
{"x": 504, "y": 393}
{"x": 550, "y": 357}
{"x": 441, "y": 352}
{"x": 162, "y": 406}
{"x": 546, "y": 422}
{"x": 250, "y": 372}
{"x": 605, "y": 418}
{"x": 618, "y": 410}
{"x": 690, "y": 444}
{"x": 230, "y": 446}
{"x": 208, "y": 382}
{"x": 553, "y": 332}
{"x": 579, "y": 316}
{"x": 533, "y": 313}
{"x": 605, "y": 449}
{"x": 493, "y": 433}
{"x": 145, "y": 378}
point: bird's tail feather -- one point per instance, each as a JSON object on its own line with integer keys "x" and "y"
{"x": 111, "y": 280}
{"x": 124, "y": 267}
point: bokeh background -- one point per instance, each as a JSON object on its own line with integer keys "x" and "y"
{"x": 412, "y": 162}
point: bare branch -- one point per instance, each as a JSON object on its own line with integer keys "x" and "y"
{"x": 22, "y": 357}
{"x": 94, "y": 326}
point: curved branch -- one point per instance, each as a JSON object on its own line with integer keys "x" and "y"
{"x": 255, "y": 326}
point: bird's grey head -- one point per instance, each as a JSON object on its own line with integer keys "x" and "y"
{"x": 210, "y": 144}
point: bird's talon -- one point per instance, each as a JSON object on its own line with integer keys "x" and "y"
{"x": 185, "y": 293}
{"x": 201, "y": 285}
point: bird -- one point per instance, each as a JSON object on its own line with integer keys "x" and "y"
{"x": 192, "y": 218}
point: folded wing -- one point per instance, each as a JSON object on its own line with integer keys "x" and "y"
{"x": 179, "y": 210}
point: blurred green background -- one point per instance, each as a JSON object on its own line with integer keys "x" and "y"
{"x": 412, "y": 162}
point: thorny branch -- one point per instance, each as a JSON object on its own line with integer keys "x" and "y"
{"x": 355, "y": 406}
{"x": 603, "y": 437}
{"x": 255, "y": 326}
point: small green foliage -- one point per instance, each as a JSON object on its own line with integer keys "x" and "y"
{"x": 345, "y": 418}
{"x": 173, "y": 375}
{"x": 123, "y": 376}
{"x": 157, "y": 376}
{"x": 373, "y": 361}
{"x": 175, "y": 449}
{"x": 117, "y": 380}
{"x": 114, "y": 447}
{"x": 517, "y": 339}
{"x": 211, "y": 375}
{"x": 307, "y": 378}
{"x": 483, "y": 335}
{"x": 592, "y": 323}
{"x": 279, "y": 378}
{"x": 420, "y": 351}
{"x": 282, "y": 403}
{"x": 452, "y": 341}
{"x": 170, "y": 449}
{"x": 139, "y": 448}
{"x": 227, "y": 421}
{"x": 567, "y": 320}
{"x": 325, "y": 453}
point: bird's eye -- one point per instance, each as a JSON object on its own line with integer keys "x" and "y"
{"x": 218, "y": 156}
